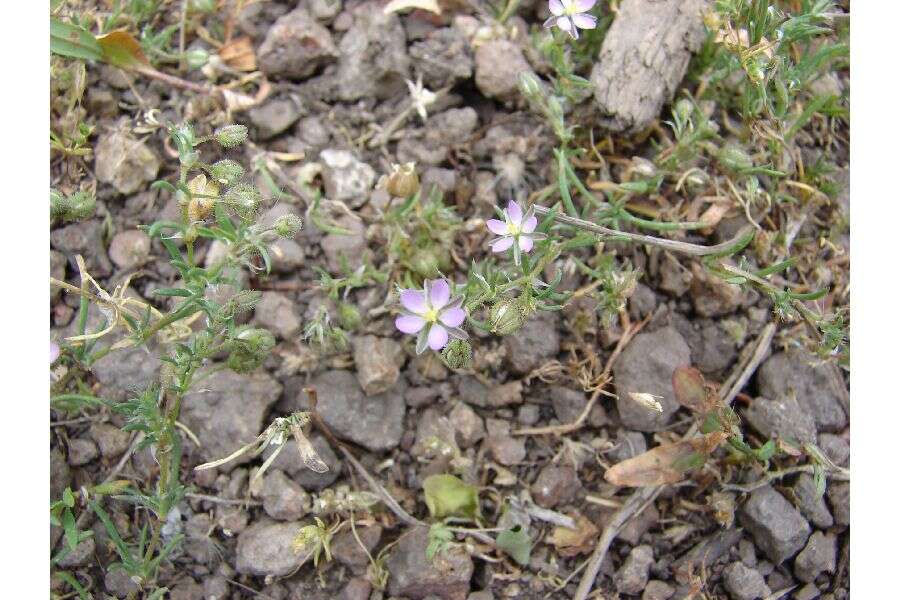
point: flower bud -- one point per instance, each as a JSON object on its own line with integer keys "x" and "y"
{"x": 349, "y": 316}
{"x": 243, "y": 301}
{"x": 226, "y": 171}
{"x": 425, "y": 263}
{"x": 683, "y": 110}
{"x": 506, "y": 317}
{"x": 251, "y": 346}
{"x": 75, "y": 207}
{"x": 643, "y": 167}
{"x": 189, "y": 158}
{"x": 191, "y": 234}
{"x": 230, "y": 136}
{"x": 457, "y": 354}
{"x": 403, "y": 181}
{"x": 734, "y": 158}
{"x": 243, "y": 199}
{"x": 530, "y": 86}
{"x": 197, "y": 58}
{"x": 287, "y": 226}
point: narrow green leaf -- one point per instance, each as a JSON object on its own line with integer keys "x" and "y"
{"x": 73, "y": 41}
{"x": 70, "y": 528}
{"x": 180, "y": 292}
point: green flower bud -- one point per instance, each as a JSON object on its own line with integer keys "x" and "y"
{"x": 349, "y": 316}
{"x": 425, "y": 263}
{"x": 196, "y": 59}
{"x": 226, "y": 171}
{"x": 683, "y": 110}
{"x": 457, "y": 354}
{"x": 243, "y": 199}
{"x": 189, "y": 158}
{"x": 230, "y": 136}
{"x": 243, "y": 301}
{"x": 506, "y": 317}
{"x": 287, "y": 226}
{"x": 530, "y": 86}
{"x": 79, "y": 205}
{"x": 734, "y": 158}
{"x": 251, "y": 346}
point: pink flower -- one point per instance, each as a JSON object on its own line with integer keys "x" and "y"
{"x": 569, "y": 15}
{"x": 54, "y": 352}
{"x": 516, "y": 231}
{"x": 432, "y": 314}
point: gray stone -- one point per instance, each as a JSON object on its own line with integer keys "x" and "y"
{"x": 628, "y": 445}
{"x": 505, "y": 449}
{"x": 129, "y": 249}
{"x": 468, "y": 425}
{"x": 283, "y": 499}
{"x": 346, "y": 178}
{"x": 111, "y": 440}
{"x": 836, "y": 448}
{"x": 215, "y": 588}
{"x": 80, "y": 557}
{"x": 84, "y": 238}
{"x": 820, "y": 555}
{"x": 555, "y": 485}
{"x": 633, "y": 530}
{"x": 634, "y": 573}
{"x": 125, "y": 162}
{"x": 126, "y": 372}
{"x": 646, "y": 366}
{"x": 777, "y": 527}
{"x": 357, "y": 588}
{"x": 435, "y": 435}
{"x": 352, "y": 248}
{"x": 347, "y": 551}
{"x": 119, "y": 584}
{"x": 324, "y": 10}
{"x": 274, "y": 116}
{"x": 498, "y": 64}
{"x": 743, "y": 583}
{"x": 674, "y": 278}
{"x": 451, "y": 127}
{"x": 534, "y": 344}
{"x": 60, "y": 474}
{"x": 568, "y": 404}
{"x": 265, "y": 549}
{"x": 81, "y": 452}
{"x": 198, "y": 543}
{"x": 296, "y": 46}
{"x": 811, "y": 380}
{"x": 810, "y": 503}
{"x": 807, "y": 592}
{"x": 443, "y": 57}
{"x": 839, "y": 498}
{"x": 415, "y": 577}
{"x": 528, "y": 414}
{"x": 642, "y": 302}
{"x": 57, "y": 271}
{"x": 187, "y": 589}
{"x": 713, "y": 296}
{"x": 287, "y": 256}
{"x": 715, "y": 349}
{"x": 277, "y": 313}
{"x": 227, "y": 411}
{"x": 373, "y": 56}
{"x": 289, "y": 461}
{"x": 657, "y": 590}
{"x": 313, "y": 132}
{"x": 783, "y": 418}
{"x": 378, "y": 361}
{"x": 375, "y": 422}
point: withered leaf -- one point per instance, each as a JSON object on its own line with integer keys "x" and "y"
{"x": 120, "y": 49}
{"x": 691, "y": 391}
{"x": 239, "y": 54}
{"x": 664, "y": 464}
{"x": 580, "y": 540}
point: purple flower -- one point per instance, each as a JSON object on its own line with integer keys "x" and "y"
{"x": 432, "y": 314}
{"x": 516, "y": 231}
{"x": 569, "y": 15}
{"x": 54, "y": 352}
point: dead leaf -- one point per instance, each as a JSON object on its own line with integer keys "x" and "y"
{"x": 713, "y": 215}
{"x": 580, "y": 540}
{"x": 239, "y": 54}
{"x": 691, "y": 391}
{"x": 664, "y": 464}
{"x": 120, "y": 49}
{"x": 398, "y": 5}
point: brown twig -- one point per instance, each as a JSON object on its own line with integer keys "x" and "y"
{"x": 223, "y": 501}
{"x": 739, "y": 378}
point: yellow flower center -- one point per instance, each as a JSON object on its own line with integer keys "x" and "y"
{"x": 512, "y": 229}
{"x": 431, "y": 316}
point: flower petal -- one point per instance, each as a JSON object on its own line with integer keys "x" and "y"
{"x": 437, "y": 337}
{"x": 502, "y": 244}
{"x": 514, "y": 211}
{"x": 525, "y": 243}
{"x": 550, "y": 22}
{"x": 584, "y": 5}
{"x": 565, "y": 24}
{"x": 452, "y": 317}
{"x": 496, "y": 226}
{"x": 585, "y": 21}
{"x": 456, "y": 332}
{"x": 409, "y": 323}
{"x": 422, "y": 341}
{"x": 439, "y": 295}
{"x": 529, "y": 225}
{"x": 414, "y": 301}
{"x": 556, "y": 7}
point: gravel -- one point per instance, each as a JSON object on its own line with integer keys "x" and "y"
{"x": 777, "y": 527}
{"x": 819, "y": 555}
{"x": 417, "y": 578}
{"x": 744, "y": 583}
{"x": 265, "y": 549}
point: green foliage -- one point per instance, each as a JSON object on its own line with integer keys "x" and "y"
{"x": 448, "y": 496}
{"x": 516, "y": 543}
{"x": 420, "y": 234}
{"x": 440, "y": 539}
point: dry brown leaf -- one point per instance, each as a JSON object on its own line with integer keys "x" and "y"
{"x": 239, "y": 54}
{"x": 580, "y": 540}
{"x": 691, "y": 391}
{"x": 664, "y": 464}
{"x": 120, "y": 49}
{"x": 713, "y": 215}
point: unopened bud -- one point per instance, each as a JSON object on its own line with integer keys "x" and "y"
{"x": 230, "y": 136}
{"x": 197, "y": 58}
{"x": 457, "y": 354}
{"x": 506, "y": 317}
{"x": 643, "y": 167}
{"x": 287, "y": 226}
{"x": 251, "y": 346}
{"x": 683, "y": 110}
{"x": 403, "y": 181}
{"x": 243, "y": 301}
{"x": 75, "y": 207}
{"x": 425, "y": 263}
{"x": 226, "y": 171}
{"x": 349, "y": 316}
{"x": 243, "y": 199}
{"x": 734, "y": 158}
{"x": 529, "y": 85}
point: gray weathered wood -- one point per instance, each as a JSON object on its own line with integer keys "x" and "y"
{"x": 643, "y": 59}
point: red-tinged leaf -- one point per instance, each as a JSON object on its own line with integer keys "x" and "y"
{"x": 691, "y": 391}
{"x": 664, "y": 464}
{"x": 120, "y": 49}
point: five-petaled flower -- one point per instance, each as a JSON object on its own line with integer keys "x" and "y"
{"x": 516, "y": 231}
{"x": 570, "y": 15}
{"x": 432, "y": 314}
